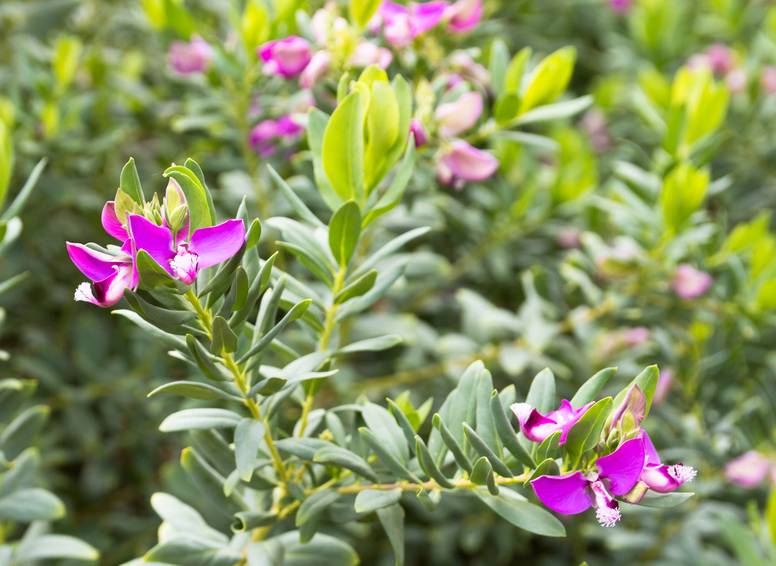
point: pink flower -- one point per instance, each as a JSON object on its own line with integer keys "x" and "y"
{"x": 418, "y": 132}
{"x": 720, "y": 59}
{"x": 266, "y": 133}
{"x": 462, "y": 63}
{"x": 190, "y": 58}
{"x": 748, "y": 470}
{"x": 537, "y": 427}
{"x": 285, "y": 57}
{"x": 768, "y": 79}
{"x": 464, "y": 15}
{"x": 635, "y": 336}
{"x": 402, "y": 24}
{"x": 659, "y": 477}
{"x": 465, "y": 163}
{"x": 317, "y": 67}
{"x": 367, "y": 53}
{"x": 620, "y": 6}
{"x": 664, "y": 383}
{"x": 690, "y": 283}
{"x": 456, "y": 117}
{"x": 736, "y": 80}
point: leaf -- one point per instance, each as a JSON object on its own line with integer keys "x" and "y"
{"x": 557, "y": 111}
{"x": 393, "y": 194}
{"x": 248, "y": 436}
{"x": 224, "y": 339}
{"x": 507, "y": 433}
{"x": 376, "y": 344}
{"x": 187, "y": 551}
{"x": 194, "y": 419}
{"x": 684, "y": 190}
{"x": 392, "y": 519}
{"x": 427, "y": 464}
{"x": 386, "y": 430}
{"x": 498, "y": 62}
{"x": 514, "y": 508}
{"x": 592, "y": 387}
{"x": 484, "y": 450}
{"x": 296, "y": 203}
{"x": 184, "y": 519}
{"x": 386, "y": 456}
{"x": 315, "y": 505}
{"x": 316, "y": 126}
{"x": 343, "y": 457}
{"x": 361, "y": 11}
{"x": 194, "y": 390}
{"x": 344, "y": 231}
{"x": 31, "y": 504}
{"x": 665, "y": 500}
{"x": 55, "y": 546}
{"x": 647, "y": 382}
{"x": 372, "y": 499}
{"x": 152, "y": 275}
{"x": 129, "y": 182}
{"x": 381, "y": 131}
{"x": 21, "y": 431}
{"x": 25, "y": 192}
{"x": 357, "y": 288}
{"x": 343, "y": 146}
{"x": 389, "y": 248}
{"x": 541, "y": 394}
{"x": 549, "y": 79}
{"x": 200, "y": 214}
{"x": 452, "y": 444}
{"x": 321, "y": 549}
{"x": 584, "y": 435}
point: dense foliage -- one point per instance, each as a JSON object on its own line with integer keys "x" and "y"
{"x": 373, "y": 266}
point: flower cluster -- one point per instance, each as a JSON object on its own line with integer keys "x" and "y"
{"x": 628, "y": 471}
{"x": 160, "y": 230}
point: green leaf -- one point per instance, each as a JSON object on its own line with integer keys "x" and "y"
{"x": 194, "y": 390}
{"x": 393, "y": 194}
{"x": 514, "y": 74}
{"x": 541, "y": 394}
{"x": 129, "y": 182}
{"x": 193, "y": 419}
{"x": 386, "y": 250}
{"x": 514, "y": 508}
{"x": 665, "y": 500}
{"x": 427, "y": 464}
{"x": 482, "y": 474}
{"x": 287, "y": 549}
{"x": 184, "y": 519}
{"x": 770, "y": 515}
{"x": 392, "y": 519}
{"x": 296, "y": 203}
{"x": 386, "y": 430}
{"x": 584, "y": 435}
{"x": 31, "y": 504}
{"x": 357, "y": 288}
{"x": 386, "y": 455}
{"x": 254, "y": 234}
{"x": 315, "y": 505}
{"x": 507, "y": 433}
{"x": 344, "y": 231}
{"x": 592, "y": 387}
{"x": 6, "y": 160}
{"x": 498, "y": 62}
{"x": 343, "y": 146}
{"x": 484, "y": 450}
{"x": 382, "y": 132}
{"x": 248, "y": 435}
{"x": 204, "y": 359}
{"x": 683, "y": 193}
{"x": 25, "y": 192}
{"x": 152, "y": 275}
{"x": 22, "y": 430}
{"x": 293, "y": 314}
{"x": 452, "y": 444}
{"x": 46, "y": 547}
{"x": 647, "y": 382}
{"x": 376, "y": 344}
{"x": 200, "y": 214}
{"x": 557, "y": 111}
{"x": 549, "y": 79}
{"x": 317, "y": 122}
{"x": 371, "y": 499}
{"x": 187, "y": 551}
{"x": 361, "y": 11}
{"x": 224, "y": 339}
{"x": 343, "y": 457}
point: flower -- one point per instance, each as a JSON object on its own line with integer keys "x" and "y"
{"x": 111, "y": 272}
{"x": 465, "y": 163}
{"x": 537, "y": 427}
{"x": 190, "y": 58}
{"x": 748, "y": 469}
{"x": 367, "y": 53}
{"x": 576, "y": 492}
{"x": 664, "y": 382}
{"x": 285, "y": 57}
{"x": 620, "y": 6}
{"x": 263, "y": 135}
{"x": 661, "y": 477}
{"x": 111, "y": 223}
{"x": 690, "y": 283}
{"x": 768, "y": 79}
{"x": 402, "y": 24}
{"x": 736, "y": 80}
{"x": 184, "y": 257}
{"x": 317, "y": 67}
{"x": 630, "y": 412}
{"x": 720, "y": 58}
{"x": 418, "y": 132}
{"x": 458, "y": 116}
{"x": 463, "y": 15}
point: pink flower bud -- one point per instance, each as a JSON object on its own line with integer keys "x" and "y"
{"x": 690, "y": 283}
{"x": 458, "y": 116}
{"x": 367, "y": 53}
{"x": 402, "y": 24}
{"x": 466, "y": 163}
{"x": 748, "y": 470}
{"x": 318, "y": 66}
{"x": 736, "y": 80}
{"x": 635, "y": 336}
{"x": 463, "y": 15}
{"x": 285, "y": 57}
{"x": 720, "y": 58}
{"x": 768, "y": 79}
{"x": 620, "y": 6}
{"x": 190, "y": 58}
{"x": 267, "y": 133}
{"x": 418, "y": 132}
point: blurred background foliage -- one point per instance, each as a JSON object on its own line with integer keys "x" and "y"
{"x": 565, "y": 259}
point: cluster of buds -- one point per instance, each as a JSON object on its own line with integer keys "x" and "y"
{"x": 624, "y": 463}
{"x": 162, "y": 231}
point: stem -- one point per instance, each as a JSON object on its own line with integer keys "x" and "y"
{"x": 429, "y": 485}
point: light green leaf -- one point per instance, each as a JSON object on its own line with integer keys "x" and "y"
{"x": 344, "y": 231}
{"x": 514, "y": 508}
{"x": 343, "y": 145}
{"x": 193, "y": 419}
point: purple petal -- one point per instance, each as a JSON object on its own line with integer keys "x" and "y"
{"x": 749, "y": 469}
{"x": 658, "y": 478}
{"x": 623, "y": 467}
{"x": 567, "y": 416}
{"x": 111, "y": 222}
{"x": 635, "y": 404}
{"x": 426, "y": 16}
{"x": 533, "y": 424}
{"x": 95, "y": 265}
{"x": 567, "y": 495}
{"x": 464, "y": 15}
{"x": 216, "y": 244}
{"x": 108, "y": 291}
{"x": 652, "y": 457}
{"x": 458, "y": 116}
{"x": 154, "y": 240}
{"x": 469, "y": 163}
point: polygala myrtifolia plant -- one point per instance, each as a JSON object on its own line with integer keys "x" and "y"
{"x": 278, "y": 479}
{"x": 25, "y": 507}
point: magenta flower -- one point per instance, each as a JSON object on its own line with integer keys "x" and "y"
{"x": 418, "y": 132}
{"x": 367, "y": 53}
{"x": 463, "y": 15}
{"x": 458, "y": 116}
{"x": 690, "y": 283}
{"x": 465, "y": 163}
{"x": 720, "y": 58}
{"x": 265, "y": 134}
{"x": 768, "y": 79}
{"x": 402, "y": 24}
{"x": 537, "y": 427}
{"x": 315, "y": 70}
{"x": 576, "y": 492}
{"x": 620, "y": 6}
{"x": 111, "y": 223}
{"x": 285, "y": 57}
{"x": 190, "y": 58}
{"x": 183, "y": 257}
{"x": 110, "y": 273}
{"x": 749, "y": 469}
{"x": 661, "y": 477}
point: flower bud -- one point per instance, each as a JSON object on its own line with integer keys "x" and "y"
{"x": 467, "y": 163}
{"x": 748, "y": 470}
{"x": 285, "y": 57}
{"x": 689, "y": 283}
{"x": 190, "y": 58}
{"x": 463, "y": 15}
{"x": 456, "y": 117}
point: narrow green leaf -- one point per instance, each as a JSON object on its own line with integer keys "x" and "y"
{"x": 129, "y": 182}
{"x": 514, "y": 508}
{"x": 344, "y": 231}
{"x": 192, "y": 419}
{"x": 371, "y": 500}
{"x": 592, "y": 387}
